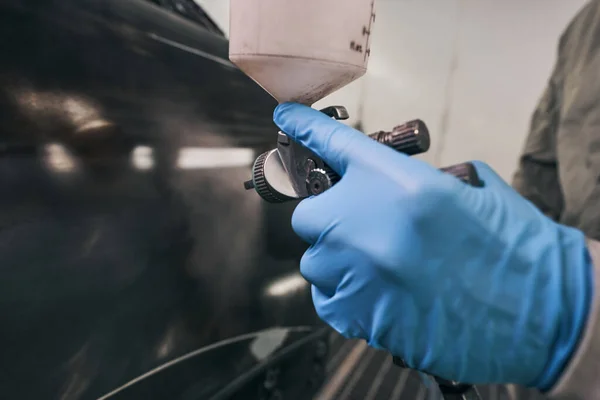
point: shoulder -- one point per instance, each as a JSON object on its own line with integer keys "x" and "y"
{"x": 584, "y": 24}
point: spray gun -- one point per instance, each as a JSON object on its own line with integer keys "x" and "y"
{"x": 291, "y": 171}
{"x": 302, "y": 51}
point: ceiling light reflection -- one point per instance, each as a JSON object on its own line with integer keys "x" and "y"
{"x": 142, "y": 157}
{"x": 268, "y": 342}
{"x": 58, "y": 158}
{"x": 207, "y": 158}
{"x": 286, "y": 285}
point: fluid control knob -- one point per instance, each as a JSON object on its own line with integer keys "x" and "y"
{"x": 411, "y": 138}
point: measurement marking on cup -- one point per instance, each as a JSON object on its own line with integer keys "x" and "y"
{"x": 367, "y": 31}
{"x": 356, "y": 47}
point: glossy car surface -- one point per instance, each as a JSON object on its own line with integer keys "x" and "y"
{"x": 133, "y": 264}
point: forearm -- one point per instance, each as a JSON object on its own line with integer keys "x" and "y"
{"x": 580, "y": 377}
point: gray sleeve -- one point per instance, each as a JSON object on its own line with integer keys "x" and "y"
{"x": 581, "y": 378}
{"x": 536, "y": 177}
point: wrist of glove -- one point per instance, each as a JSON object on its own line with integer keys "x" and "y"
{"x": 468, "y": 284}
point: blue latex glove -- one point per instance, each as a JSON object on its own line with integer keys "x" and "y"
{"x": 470, "y": 284}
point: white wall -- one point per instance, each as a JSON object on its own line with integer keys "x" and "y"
{"x": 218, "y": 11}
{"x": 473, "y": 70}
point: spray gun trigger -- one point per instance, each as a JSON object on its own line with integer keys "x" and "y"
{"x": 339, "y": 113}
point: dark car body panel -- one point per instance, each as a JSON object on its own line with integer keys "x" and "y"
{"x": 111, "y": 269}
{"x": 230, "y": 369}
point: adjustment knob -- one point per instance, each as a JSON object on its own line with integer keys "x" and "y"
{"x": 269, "y": 164}
{"x": 320, "y": 180}
{"x": 259, "y": 182}
{"x": 410, "y": 138}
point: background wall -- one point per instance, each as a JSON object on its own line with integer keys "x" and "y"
{"x": 473, "y": 70}
{"x": 218, "y": 10}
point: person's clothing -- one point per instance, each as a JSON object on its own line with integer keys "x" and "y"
{"x": 559, "y": 171}
{"x": 581, "y": 379}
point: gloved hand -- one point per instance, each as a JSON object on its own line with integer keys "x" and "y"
{"x": 469, "y": 284}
